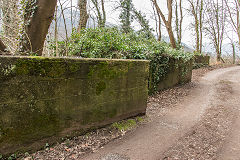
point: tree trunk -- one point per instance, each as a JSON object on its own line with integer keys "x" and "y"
{"x": 179, "y": 21}
{"x": 196, "y": 10}
{"x": 2, "y": 47}
{"x": 101, "y": 17}
{"x": 168, "y": 23}
{"x": 234, "y": 53}
{"x": 56, "y": 31}
{"x": 171, "y": 37}
{"x": 159, "y": 28}
{"x": 215, "y": 25}
{"x": 82, "y": 4}
{"x": 197, "y": 35}
{"x": 201, "y": 26}
{"x": 36, "y": 26}
{"x": 104, "y": 14}
{"x": 218, "y": 56}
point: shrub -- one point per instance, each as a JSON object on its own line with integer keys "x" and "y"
{"x": 112, "y": 43}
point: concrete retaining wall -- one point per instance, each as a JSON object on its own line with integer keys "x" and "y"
{"x": 200, "y": 60}
{"x": 43, "y": 99}
{"x": 175, "y": 72}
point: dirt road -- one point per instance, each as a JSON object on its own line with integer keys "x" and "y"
{"x": 204, "y": 125}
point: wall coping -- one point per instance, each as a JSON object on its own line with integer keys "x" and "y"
{"x": 74, "y": 58}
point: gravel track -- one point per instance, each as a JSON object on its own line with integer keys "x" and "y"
{"x": 198, "y": 123}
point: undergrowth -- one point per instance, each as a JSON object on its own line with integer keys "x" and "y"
{"x": 112, "y": 43}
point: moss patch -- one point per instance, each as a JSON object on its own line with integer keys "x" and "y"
{"x": 107, "y": 70}
{"x": 101, "y": 86}
{"x": 125, "y": 125}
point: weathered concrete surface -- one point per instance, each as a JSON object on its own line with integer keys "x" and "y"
{"x": 179, "y": 72}
{"x": 200, "y": 60}
{"x": 43, "y": 99}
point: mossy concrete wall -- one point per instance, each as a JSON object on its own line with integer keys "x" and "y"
{"x": 178, "y": 72}
{"x": 43, "y": 99}
{"x": 201, "y": 60}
